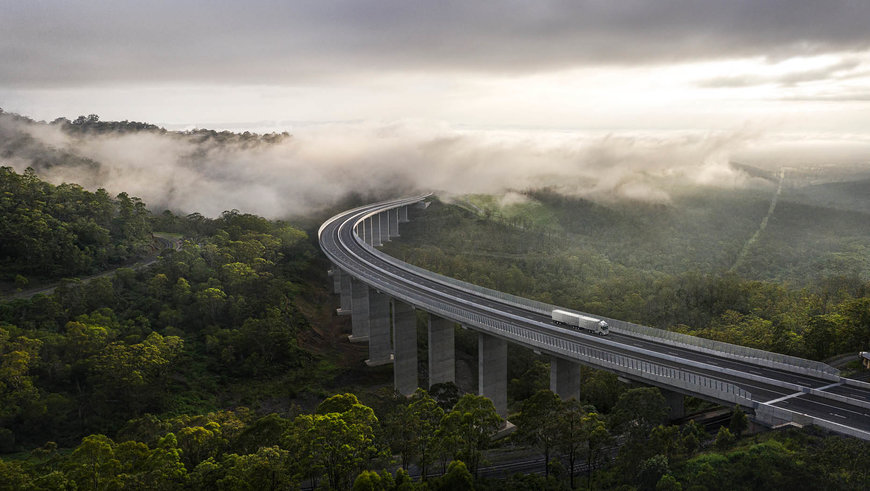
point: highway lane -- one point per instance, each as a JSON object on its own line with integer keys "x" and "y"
{"x": 540, "y": 322}
{"x": 340, "y": 232}
{"x": 850, "y": 391}
{"x": 685, "y": 353}
{"x": 829, "y": 409}
{"x": 449, "y": 293}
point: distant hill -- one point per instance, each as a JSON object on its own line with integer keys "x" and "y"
{"x": 847, "y": 195}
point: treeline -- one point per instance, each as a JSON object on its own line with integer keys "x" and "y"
{"x": 92, "y": 125}
{"x": 334, "y": 446}
{"x": 829, "y": 317}
{"x": 54, "y": 231}
{"x": 443, "y": 438}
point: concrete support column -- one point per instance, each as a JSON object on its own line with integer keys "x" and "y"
{"x": 359, "y": 320}
{"x": 345, "y": 302}
{"x": 675, "y": 403}
{"x": 565, "y": 378}
{"x": 403, "y": 214}
{"x": 361, "y": 230}
{"x": 442, "y": 362}
{"x": 370, "y": 235}
{"x": 376, "y": 230}
{"x": 404, "y": 347}
{"x": 492, "y": 370}
{"x": 384, "y": 226}
{"x": 336, "y": 279}
{"x": 394, "y": 222}
{"x": 380, "y": 351}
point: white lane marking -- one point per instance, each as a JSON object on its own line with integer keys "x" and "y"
{"x": 838, "y": 415}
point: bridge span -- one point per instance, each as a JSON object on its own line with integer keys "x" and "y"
{"x": 381, "y": 294}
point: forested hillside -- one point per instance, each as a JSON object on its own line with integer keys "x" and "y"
{"x": 54, "y": 231}
{"x": 161, "y": 339}
{"x": 189, "y": 373}
{"x": 533, "y": 250}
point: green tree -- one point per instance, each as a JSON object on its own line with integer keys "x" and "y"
{"x": 474, "y": 421}
{"x": 268, "y": 468}
{"x": 639, "y": 410}
{"x": 651, "y": 471}
{"x": 636, "y": 413}
{"x": 724, "y": 438}
{"x": 337, "y": 444}
{"x": 597, "y": 439}
{"x": 92, "y": 465}
{"x": 739, "y": 422}
{"x": 457, "y": 478}
{"x": 538, "y": 423}
{"x": 573, "y": 435}
{"x": 426, "y": 417}
{"x": 668, "y": 483}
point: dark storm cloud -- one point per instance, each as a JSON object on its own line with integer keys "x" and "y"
{"x": 69, "y": 43}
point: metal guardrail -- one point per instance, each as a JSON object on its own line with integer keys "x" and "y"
{"x": 757, "y": 356}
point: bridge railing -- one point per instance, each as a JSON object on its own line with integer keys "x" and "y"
{"x": 566, "y": 348}
{"x": 673, "y": 378}
{"x": 752, "y": 355}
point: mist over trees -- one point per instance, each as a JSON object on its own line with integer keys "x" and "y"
{"x": 220, "y": 365}
{"x": 277, "y": 175}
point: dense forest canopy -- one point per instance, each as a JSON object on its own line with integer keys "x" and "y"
{"x": 54, "y": 231}
{"x": 214, "y": 366}
{"x": 641, "y": 265}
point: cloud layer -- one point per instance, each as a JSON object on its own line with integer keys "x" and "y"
{"x": 70, "y": 43}
{"x": 321, "y": 164}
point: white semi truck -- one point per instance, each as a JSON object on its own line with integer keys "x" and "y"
{"x": 581, "y": 322}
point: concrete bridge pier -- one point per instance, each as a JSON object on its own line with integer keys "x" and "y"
{"x": 380, "y": 351}
{"x": 403, "y": 214}
{"x": 335, "y": 272}
{"x": 359, "y": 321}
{"x": 492, "y": 370}
{"x": 367, "y": 226}
{"x": 345, "y": 300}
{"x": 675, "y": 402}
{"x": 442, "y": 361}
{"x": 376, "y": 230}
{"x": 361, "y": 230}
{"x": 384, "y": 226}
{"x": 405, "y": 347}
{"x": 393, "y": 219}
{"x": 565, "y": 378}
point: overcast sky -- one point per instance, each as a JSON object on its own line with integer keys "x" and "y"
{"x": 799, "y": 66}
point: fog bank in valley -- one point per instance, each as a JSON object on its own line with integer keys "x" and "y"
{"x": 319, "y": 164}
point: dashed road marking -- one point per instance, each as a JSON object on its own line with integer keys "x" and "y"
{"x": 838, "y": 415}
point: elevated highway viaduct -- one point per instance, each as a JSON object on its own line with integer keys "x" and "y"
{"x": 381, "y": 294}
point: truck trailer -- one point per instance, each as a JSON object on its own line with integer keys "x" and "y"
{"x": 581, "y": 322}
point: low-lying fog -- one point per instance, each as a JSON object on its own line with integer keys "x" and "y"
{"x": 320, "y": 164}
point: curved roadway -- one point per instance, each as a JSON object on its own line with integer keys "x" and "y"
{"x": 778, "y": 387}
